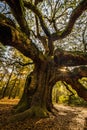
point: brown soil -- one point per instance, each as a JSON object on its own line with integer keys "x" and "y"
{"x": 67, "y": 118}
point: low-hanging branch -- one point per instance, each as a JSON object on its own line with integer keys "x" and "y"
{"x": 67, "y": 58}
{"x": 80, "y": 89}
{"x": 18, "y": 40}
{"x": 71, "y": 77}
{"x": 67, "y": 87}
{"x": 66, "y": 74}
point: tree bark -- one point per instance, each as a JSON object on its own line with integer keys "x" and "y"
{"x": 37, "y": 96}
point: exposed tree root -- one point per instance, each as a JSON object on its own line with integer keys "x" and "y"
{"x": 32, "y": 112}
{"x": 54, "y": 111}
{"x": 21, "y": 108}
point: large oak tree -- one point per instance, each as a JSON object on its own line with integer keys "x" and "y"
{"x": 50, "y": 65}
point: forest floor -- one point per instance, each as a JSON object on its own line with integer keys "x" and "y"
{"x": 67, "y": 118}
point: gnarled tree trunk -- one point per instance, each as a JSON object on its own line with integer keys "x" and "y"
{"x": 37, "y": 96}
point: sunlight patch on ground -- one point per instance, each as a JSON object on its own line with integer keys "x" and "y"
{"x": 9, "y": 101}
{"x": 78, "y": 122}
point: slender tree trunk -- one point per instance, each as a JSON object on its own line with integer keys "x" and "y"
{"x": 11, "y": 89}
{"x": 6, "y": 86}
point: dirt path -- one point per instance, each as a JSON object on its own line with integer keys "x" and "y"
{"x": 68, "y": 118}
{"x": 75, "y": 116}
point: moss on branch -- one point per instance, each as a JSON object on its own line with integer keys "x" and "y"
{"x": 13, "y": 37}
{"x": 67, "y": 58}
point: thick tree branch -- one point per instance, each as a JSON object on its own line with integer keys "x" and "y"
{"x": 7, "y": 20}
{"x": 82, "y": 6}
{"x": 80, "y": 89}
{"x": 38, "y": 1}
{"x": 11, "y": 36}
{"x": 71, "y": 77}
{"x": 67, "y": 87}
{"x": 17, "y": 8}
{"x": 66, "y": 74}
{"x": 66, "y": 58}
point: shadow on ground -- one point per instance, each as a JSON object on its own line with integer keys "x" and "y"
{"x": 67, "y": 118}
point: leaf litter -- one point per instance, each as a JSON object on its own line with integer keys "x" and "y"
{"x": 67, "y": 118}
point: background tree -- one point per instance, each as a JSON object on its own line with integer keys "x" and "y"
{"x": 33, "y": 28}
{"x": 13, "y": 66}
